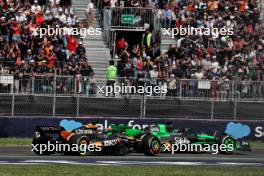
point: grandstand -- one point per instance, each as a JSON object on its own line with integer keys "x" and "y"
{"x": 226, "y": 70}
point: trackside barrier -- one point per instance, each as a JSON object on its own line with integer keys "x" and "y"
{"x": 211, "y": 92}
{"x": 25, "y": 127}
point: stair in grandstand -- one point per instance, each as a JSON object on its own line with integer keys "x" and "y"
{"x": 97, "y": 51}
{"x": 166, "y": 41}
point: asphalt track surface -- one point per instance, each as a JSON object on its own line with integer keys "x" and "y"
{"x": 23, "y": 155}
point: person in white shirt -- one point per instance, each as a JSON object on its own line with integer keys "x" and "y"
{"x": 62, "y": 17}
{"x": 71, "y": 20}
{"x": 113, "y": 3}
{"x": 54, "y": 2}
{"x": 89, "y": 14}
{"x": 206, "y": 63}
{"x": 35, "y": 8}
{"x": 215, "y": 64}
{"x": 199, "y": 74}
{"x": 159, "y": 15}
{"x": 20, "y": 17}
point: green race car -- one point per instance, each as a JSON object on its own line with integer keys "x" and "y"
{"x": 168, "y": 139}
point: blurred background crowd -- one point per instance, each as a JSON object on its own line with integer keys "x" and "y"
{"x": 226, "y": 57}
{"x": 23, "y": 52}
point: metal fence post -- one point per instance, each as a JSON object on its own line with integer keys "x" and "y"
{"x": 77, "y": 84}
{"x": 32, "y": 85}
{"x": 78, "y": 105}
{"x": 235, "y": 109}
{"x": 235, "y": 97}
{"x": 143, "y": 98}
{"x": 212, "y": 109}
{"x": 13, "y": 99}
{"x": 54, "y": 95}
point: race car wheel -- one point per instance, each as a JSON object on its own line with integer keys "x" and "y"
{"x": 150, "y": 145}
{"x": 121, "y": 149}
{"x": 37, "y": 141}
{"x": 230, "y": 144}
{"x": 81, "y": 141}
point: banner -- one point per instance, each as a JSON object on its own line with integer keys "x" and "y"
{"x": 25, "y": 127}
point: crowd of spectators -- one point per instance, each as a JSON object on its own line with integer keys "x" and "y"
{"x": 240, "y": 55}
{"x": 226, "y": 57}
{"x": 24, "y": 52}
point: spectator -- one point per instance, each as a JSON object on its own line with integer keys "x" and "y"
{"x": 111, "y": 73}
{"x": 146, "y": 39}
{"x": 121, "y": 44}
{"x": 89, "y": 14}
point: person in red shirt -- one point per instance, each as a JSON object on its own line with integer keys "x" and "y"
{"x": 16, "y": 31}
{"x": 39, "y": 18}
{"x": 72, "y": 43}
{"x": 242, "y": 5}
{"x": 121, "y": 44}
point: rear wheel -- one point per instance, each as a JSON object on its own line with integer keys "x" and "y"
{"x": 230, "y": 145}
{"x": 37, "y": 142}
{"x": 150, "y": 145}
{"x": 121, "y": 149}
{"x": 79, "y": 144}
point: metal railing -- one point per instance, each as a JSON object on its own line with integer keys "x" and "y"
{"x": 81, "y": 88}
{"x": 129, "y": 17}
{"x": 181, "y": 89}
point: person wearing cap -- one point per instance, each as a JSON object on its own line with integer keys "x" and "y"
{"x": 148, "y": 64}
{"x": 29, "y": 56}
{"x": 80, "y": 49}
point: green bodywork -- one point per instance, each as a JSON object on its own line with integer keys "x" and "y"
{"x": 162, "y": 133}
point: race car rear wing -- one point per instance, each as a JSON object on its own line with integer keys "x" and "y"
{"x": 49, "y": 129}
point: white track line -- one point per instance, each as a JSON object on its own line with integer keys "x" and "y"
{"x": 36, "y": 162}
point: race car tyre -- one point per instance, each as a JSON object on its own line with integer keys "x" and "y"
{"x": 37, "y": 142}
{"x": 150, "y": 145}
{"x": 230, "y": 144}
{"x": 82, "y": 143}
{"x": 121, "y": 149}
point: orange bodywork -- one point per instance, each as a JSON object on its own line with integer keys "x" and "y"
{"x": 90, "y": 126}
{"x": 97, "y": 144}
{"x": 65, "y": 134}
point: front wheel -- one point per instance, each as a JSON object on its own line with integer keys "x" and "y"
{"x": 150, "y": 145}
{"x": 230, "y": 145}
